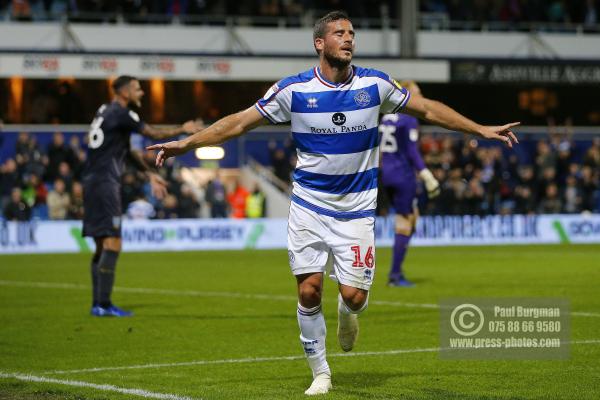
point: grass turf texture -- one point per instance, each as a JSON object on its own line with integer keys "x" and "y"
{"x": 47, "y": 328}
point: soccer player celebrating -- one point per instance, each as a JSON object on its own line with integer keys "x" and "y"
{"x": 334, "y": 110}
{"x": 400, "y": 160}
{"x": 108, "y": 147}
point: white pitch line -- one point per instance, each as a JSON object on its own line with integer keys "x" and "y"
{"x": 191, "y": 293}
{"x": 236, "y": 361}
{"x": 265, "y": 359}
{"x": 105, "y": 388}
{"x": 235, "y": 295}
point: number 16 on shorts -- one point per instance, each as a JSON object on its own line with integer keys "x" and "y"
{"x": 369, "y": 260}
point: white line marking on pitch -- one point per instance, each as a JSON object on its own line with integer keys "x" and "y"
{"x": 239, "y": 361}
{"x": 196, "y": 293}
{"x": 263, "y": 359}
{"x": 104, "y": 388}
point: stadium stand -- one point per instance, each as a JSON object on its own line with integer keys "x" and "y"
{"x": 460, "y": 15}
{"x": 559, "y": 175}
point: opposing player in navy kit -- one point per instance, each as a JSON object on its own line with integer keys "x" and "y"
{"x": 401, "y": 162}
{"x": 108, "y": 148}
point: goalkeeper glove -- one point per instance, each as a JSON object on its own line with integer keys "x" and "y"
{"x": 431, "y": 184}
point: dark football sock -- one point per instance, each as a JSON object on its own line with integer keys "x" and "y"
{"x": 94, "y": 273}
{"x": 106, "y": 276}
{"x": 400, "y": 249}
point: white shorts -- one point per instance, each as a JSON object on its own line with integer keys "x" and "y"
{"x": 351, "y": 242}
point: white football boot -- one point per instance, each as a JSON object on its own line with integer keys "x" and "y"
{"x": 347, "y": 330}
{"x": 320, "y": 385}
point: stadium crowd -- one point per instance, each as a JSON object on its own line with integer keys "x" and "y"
{"x": 559, "y": 176}
{"x": 45, "y": 183}
{"x": 584, "y": 12}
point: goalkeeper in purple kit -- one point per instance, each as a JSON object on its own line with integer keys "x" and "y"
{"x": 400, "y": 165}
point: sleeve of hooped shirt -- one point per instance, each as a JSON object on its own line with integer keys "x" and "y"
{"x": 395, "y": 96}
{"x": 275, "y": 106}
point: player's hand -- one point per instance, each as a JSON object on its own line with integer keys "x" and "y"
{"x": 166, "y": 150}
{"x": 158, "y": 186}
{"x": 431, "y": 184}
{"x": 502, "y": 133}
{"x": 191, "y": 127}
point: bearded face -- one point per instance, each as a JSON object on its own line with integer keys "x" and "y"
{"x": 337, "y": 45}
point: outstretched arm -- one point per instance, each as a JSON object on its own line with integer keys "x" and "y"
{"x": 440, "y": 114}
{"x": 165, "y": 133}
{"x": 224, "y": 129}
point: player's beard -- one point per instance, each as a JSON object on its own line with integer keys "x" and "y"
{"x": 336, "y": 62}
{"x": 135, "y": 104}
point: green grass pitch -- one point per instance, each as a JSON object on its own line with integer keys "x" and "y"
{"x": 222, "y": 325}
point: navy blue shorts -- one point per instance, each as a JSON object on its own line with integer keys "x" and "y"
{"x": 102, "y": 209}
{"x": 402, "y": 196}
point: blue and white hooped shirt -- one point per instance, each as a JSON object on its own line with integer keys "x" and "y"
{"x": 335, "y": 130}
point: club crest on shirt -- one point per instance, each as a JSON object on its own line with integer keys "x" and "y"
{"x": 312, "y": 103}
{"x": 291, "y": 257}
{"x": 362, "y": 98}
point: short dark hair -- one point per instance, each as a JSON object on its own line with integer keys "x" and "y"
{"x": 122, "y": 81}
{"x": 321, "y": 24}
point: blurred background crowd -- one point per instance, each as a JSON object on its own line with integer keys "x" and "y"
{"x": 45, "y": 183}
{"x": 585, "y": 12}
{"x": 548, "y": 176}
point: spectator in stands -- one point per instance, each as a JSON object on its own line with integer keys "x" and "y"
{"x": 76, "y": 205}
{"x": 591, "y": 13}
{"x": 28, "y": 191}
{"x": 168, "y": 208}
{"x": 550, "y": 202}
{"x": 589, "y": 186}
{"x": 524, "y": 200}
{"x": 64, "y": 173}
{"x": 216, "y": 198}
{"x": 572, "y": 195}
{"x": 17, "y": 209}
{"x": 58, "y": 201}
{"x": 256, "y": 203}
{"x": 77, "y": 162}
{"x": 38, "y": 161}
{"x": 280, "y": 162}
{"x": 237, "y": 200}
{"x": 21, "y": 10}
{"x": 41, "y": 190}
{"x": 140, "y": 208}
{"x": 556, "y": 11}
{"x": 592, "y": 155}
{"x": 456, "y": 186}
{"x": 526, "y": 176}
{"x": 22, "y": 148}
{"x": 188, "y": 204}
{"x": 545, "y": 158}
{"x": 547, "y": 178}
{"x": 131, "y": 189}
{"x": 9, "y": 179}
{"x": 58, "y": 152}
{"x": 473, "y": 197}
